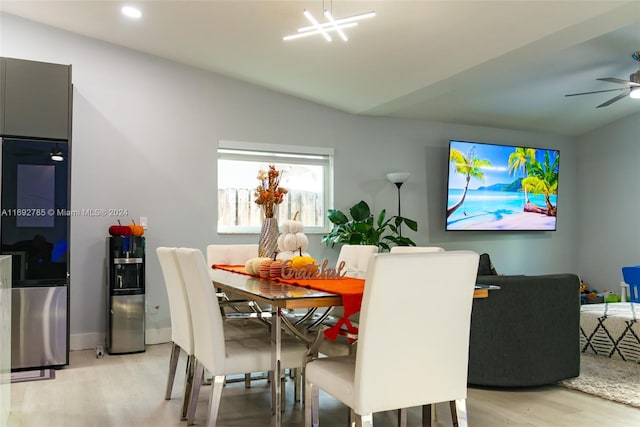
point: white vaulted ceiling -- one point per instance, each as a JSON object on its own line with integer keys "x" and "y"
{"x": 493, "y": 63}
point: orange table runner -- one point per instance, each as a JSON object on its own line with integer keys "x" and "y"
{"x": 349, "y": 288}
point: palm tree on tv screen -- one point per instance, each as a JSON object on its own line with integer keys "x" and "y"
{"x": 469, "y": 166}
{"x": 519, "y": 159}
{"x": 543, "y": 179}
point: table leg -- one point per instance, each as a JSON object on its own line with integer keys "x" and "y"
{"x": 276, "y": 357}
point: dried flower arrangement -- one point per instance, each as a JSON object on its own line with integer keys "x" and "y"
{"x": 269, "y": 193}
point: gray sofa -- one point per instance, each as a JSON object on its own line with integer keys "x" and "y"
{"x": 526, "y": 333}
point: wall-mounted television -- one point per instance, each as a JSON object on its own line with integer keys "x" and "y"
{"x": 501, "y": 187}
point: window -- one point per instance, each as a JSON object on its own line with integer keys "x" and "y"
{"x": 307, "y": 174}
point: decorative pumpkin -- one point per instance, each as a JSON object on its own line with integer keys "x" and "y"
{"x": 291, "y": 225}
{"x": 286, "y": 255}
{"x": 303, "y": 261}
{"x": 302, "y": 241}
{"x": 276, "y": 268}
{"x": 264, "y": 271}
{"x": 292, "y": 241}
{"x": 289, "y": 242}
{"x": 300, "y": 267}
{"x": 253, "y": 265}
{"x": 136, "y": 230}
{"x": 120, "y": 230}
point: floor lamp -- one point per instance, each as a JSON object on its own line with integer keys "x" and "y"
{"x": 398, "y": 178}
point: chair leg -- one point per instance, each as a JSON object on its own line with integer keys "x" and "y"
{"x": 303, "y": 385}
{"x": 247, "y": 380}
{"x": 351, "y": 421}
{"x": 283, "y": 393}
{"x": 296, "y": 384}
{"x": 454, "y": 416}
{"x": 402, "y": 417}
{"x": 427, "y": 414}
{"x": 214, "y": 399}
{"x": 173, "y": 364}
{"x": 461, "y": 412}
{"x": 312, "y": 403}
{"x": 273, "y": 394}
{"x": 188, "y": 385}
{"x": 195, "y": 391}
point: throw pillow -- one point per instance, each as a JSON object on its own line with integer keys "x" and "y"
{"x": 485, "y": 266}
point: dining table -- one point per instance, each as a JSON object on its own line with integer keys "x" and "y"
{"x": 283, "y": 296}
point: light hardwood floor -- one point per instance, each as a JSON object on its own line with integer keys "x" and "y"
{"x": 128, "y": 390}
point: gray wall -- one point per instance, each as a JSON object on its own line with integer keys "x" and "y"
{"x": 144, "y": 139}
{"x": 609, "y": 206}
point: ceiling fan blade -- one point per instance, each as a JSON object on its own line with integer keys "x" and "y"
{"x": 620, "y": 81}
{"x": 612, "y": 100}
{"x": 596, "y": 91}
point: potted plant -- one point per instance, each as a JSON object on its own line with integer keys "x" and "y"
{"x": 362, "y": 229}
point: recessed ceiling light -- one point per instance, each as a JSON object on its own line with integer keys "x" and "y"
{"x": 131, "y": 12}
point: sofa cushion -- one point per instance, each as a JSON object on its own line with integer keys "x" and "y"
{"x": 527, "y": 332}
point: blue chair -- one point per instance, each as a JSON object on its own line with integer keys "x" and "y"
{"x": 631, "y": 277}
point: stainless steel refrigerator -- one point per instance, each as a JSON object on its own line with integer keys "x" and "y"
{"x": 35, "y": 232}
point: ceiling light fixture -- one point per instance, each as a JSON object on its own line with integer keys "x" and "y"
{"x": 316, "y": 25}
{"x": 332, "y": 24}
{"x": 335, "y": 25}
{"x": 131, "y": 12}
{"x": 635, "y": 93}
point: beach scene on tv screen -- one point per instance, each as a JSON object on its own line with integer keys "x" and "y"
{"x": 498, "y": 187}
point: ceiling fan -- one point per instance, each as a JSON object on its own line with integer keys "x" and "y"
{"x": 632, "y": 86}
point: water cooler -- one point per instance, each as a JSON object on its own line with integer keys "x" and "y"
{"x": 126, "y": 294}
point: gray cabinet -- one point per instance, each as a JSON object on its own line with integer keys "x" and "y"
{"x": 35, "y": 99}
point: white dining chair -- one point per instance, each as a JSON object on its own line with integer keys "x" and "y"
{"x": 415, "y": 249}
{"x": 356, "y": 260}
{"x": 181, "y": 330}
{"x": 234, "y": 254}
{"x": 392, "y": 356}
{"x": 213, "y": 352}
{"x": 428, "y": 411}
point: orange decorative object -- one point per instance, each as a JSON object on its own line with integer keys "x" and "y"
{"x": 276, "y": 269}
{"x": 136, "y": 230}
{"x": 264, "y": 271}
{"x": 252, "y": 266}
{"x": 302, "y": 261}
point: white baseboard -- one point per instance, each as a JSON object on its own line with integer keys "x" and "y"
{"x": 86, "y": 341}
{"x": 94, "y": 339}
{"x": 157, "y": 336}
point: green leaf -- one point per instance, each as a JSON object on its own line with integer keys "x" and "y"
{"x": 383, "y": 213}
{"x": 337, "y": 217}
{"x": 355, "y": 239}
{"x": 413, "y": 225}
{"x": 360, "y": 211}
{"x": 362, "y": 227}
